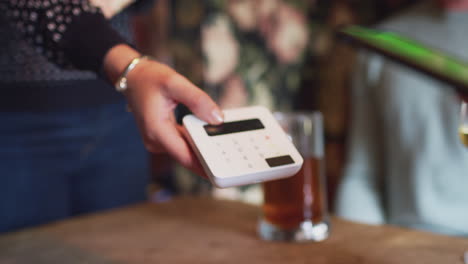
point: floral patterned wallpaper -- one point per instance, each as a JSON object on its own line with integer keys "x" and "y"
{"x": 242, "y": 52}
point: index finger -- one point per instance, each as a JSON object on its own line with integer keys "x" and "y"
{"x": 182, "y": 90}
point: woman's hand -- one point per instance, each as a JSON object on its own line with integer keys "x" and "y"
{"x": 154, "y": 90}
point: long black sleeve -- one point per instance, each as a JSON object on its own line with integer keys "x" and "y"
{"x": 65, "y": 31}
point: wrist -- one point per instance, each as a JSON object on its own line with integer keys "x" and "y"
{"x": 117, "y": 60}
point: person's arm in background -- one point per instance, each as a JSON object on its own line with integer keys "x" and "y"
{"x": 76, "y": 32}
{"x": 359, "y": 196}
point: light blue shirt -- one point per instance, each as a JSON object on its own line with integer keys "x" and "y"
{"x": 406, "y": 163}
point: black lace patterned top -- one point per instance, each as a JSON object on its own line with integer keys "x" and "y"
{"x": 51, "y": 53}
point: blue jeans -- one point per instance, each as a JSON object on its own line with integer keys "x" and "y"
{"x": 58, "y": 164}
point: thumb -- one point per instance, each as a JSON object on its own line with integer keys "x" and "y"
{"x": 182, "y": 90}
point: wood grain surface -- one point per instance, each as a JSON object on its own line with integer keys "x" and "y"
{"x": 202, "y": 230}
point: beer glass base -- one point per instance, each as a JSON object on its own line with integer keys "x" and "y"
{"x": 307, "y": 231}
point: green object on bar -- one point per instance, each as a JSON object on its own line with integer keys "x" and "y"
{"x": 411, "y": 53}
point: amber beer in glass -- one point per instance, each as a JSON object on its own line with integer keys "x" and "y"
{"x": 295, "y": 208}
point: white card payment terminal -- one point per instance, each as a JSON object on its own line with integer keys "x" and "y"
{"x": 249, "y": 147}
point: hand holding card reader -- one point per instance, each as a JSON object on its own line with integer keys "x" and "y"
{"x": 249, "y": 147}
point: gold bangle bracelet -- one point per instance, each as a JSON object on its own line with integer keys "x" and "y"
{"x": 121, "y": 84}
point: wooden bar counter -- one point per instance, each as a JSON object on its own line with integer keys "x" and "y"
{"x": 202, "y": 230}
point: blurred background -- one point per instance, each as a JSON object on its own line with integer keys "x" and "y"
{"x": 276, "y": 53}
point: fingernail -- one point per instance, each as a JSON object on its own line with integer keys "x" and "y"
{"x": 217, "y": 116}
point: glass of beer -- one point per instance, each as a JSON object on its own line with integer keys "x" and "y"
{"x": 463, "y": 129}
{"x": 295, "y": 208}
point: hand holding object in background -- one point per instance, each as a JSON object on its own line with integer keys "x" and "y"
{"x": 464, "y": 97}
